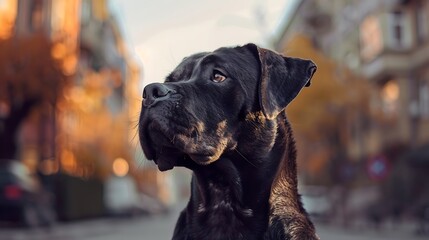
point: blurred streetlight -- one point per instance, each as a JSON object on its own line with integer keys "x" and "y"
{"x": 390, "y": 92}
{"x": 120, "y": 167}
{"x": 390, "y": 96}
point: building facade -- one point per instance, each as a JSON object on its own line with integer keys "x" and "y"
{"x": 90, "y": 126}
{"x": 386, "y": 146}
{"x": 386, "y": 42}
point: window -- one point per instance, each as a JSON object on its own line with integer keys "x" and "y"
{"x": 371, "y": 38}
{"x": 398, "y": 27}
{"x": 424, "y": 100}
{"x": 422, "y": 19}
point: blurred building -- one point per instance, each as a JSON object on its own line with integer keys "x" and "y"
{"x": 7, "y": 17}
{"x": 386, "y": 42}
{"x": 59, "y": 21}
{"x": 89, "y": 42}
{"x": 95, "y": 124}
{"x": 82, "y": 134}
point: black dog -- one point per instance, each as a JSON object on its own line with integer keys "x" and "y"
{"x": 221, "y": 114}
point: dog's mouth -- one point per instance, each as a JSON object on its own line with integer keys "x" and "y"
{"x": 168, "y": 146}
{"x": 157, "y": 146}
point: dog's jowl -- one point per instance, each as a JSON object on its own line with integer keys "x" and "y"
{"x": 221, "y": 114}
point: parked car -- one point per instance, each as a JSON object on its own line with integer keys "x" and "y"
{"x": 21, "y": 198}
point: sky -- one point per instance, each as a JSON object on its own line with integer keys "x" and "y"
{"x": 163, "y": 32}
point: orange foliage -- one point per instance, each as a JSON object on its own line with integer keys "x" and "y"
{"x": 322, "y": 114}
{"x": 28, "y": 71}
{"x": 315, "y": 112}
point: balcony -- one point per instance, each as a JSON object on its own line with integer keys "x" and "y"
{"x": 394, "y": 43}
{"x": 389, "y": 62}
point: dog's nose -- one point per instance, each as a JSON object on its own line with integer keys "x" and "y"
{"x": 154, "y": 93}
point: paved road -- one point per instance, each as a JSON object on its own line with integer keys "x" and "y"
{"x": 161, "y": 227}
{"x": 334, "y": 233}
{"x": 138, "y": 228}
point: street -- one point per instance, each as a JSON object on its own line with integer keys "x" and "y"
{"x": 335, "y": 233}
{"x": 138, "y": 228}
{"x": 161, "y": 227}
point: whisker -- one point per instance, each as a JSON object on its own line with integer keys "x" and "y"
{"x": 134, "y": 135}
{"x": 247, "y": 160}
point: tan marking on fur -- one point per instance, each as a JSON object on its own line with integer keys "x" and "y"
{"x": 217, "y": 143}
{"x": 222, "y": 144}
{"x": 284, "y": 198}
{"x": 256, "y": 117}
{"x": 284, "y": 205}
{"x": 201, "y": 127}
{"x": 260, "y": 127}
{"x": 221, "y": 127}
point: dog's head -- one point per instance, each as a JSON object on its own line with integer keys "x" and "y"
{"x": 199, "y": 113}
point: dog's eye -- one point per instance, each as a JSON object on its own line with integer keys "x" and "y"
{"x": 218, "y": 76}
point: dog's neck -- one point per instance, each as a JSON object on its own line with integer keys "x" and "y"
{"x": 285, "y": 203}
{"x": 243, "y": 176}
{"x": 246, "y": 185}
{"x": 218, "y": 186}
{"x": 226, "y": 204}
{"x": 238, "y": 185}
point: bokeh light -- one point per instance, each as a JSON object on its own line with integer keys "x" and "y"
{"x": 120, "y": 167}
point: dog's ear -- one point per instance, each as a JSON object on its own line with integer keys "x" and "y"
{"x": 282, "y": 78}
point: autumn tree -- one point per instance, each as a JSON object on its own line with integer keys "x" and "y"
{"x": 322, "y": 114}
{"x": 29, "y": 78}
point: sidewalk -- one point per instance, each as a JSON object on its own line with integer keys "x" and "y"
{"x": 161, "y": 227}
{"x": 157, "y": 227}
{"x": 404, "y": 231}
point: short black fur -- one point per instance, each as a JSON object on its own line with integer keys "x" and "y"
{"x": 235, "y": 137}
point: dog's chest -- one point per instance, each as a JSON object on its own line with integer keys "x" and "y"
{"x": 224, "y": 223}
{"x": 223, "y": 217}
